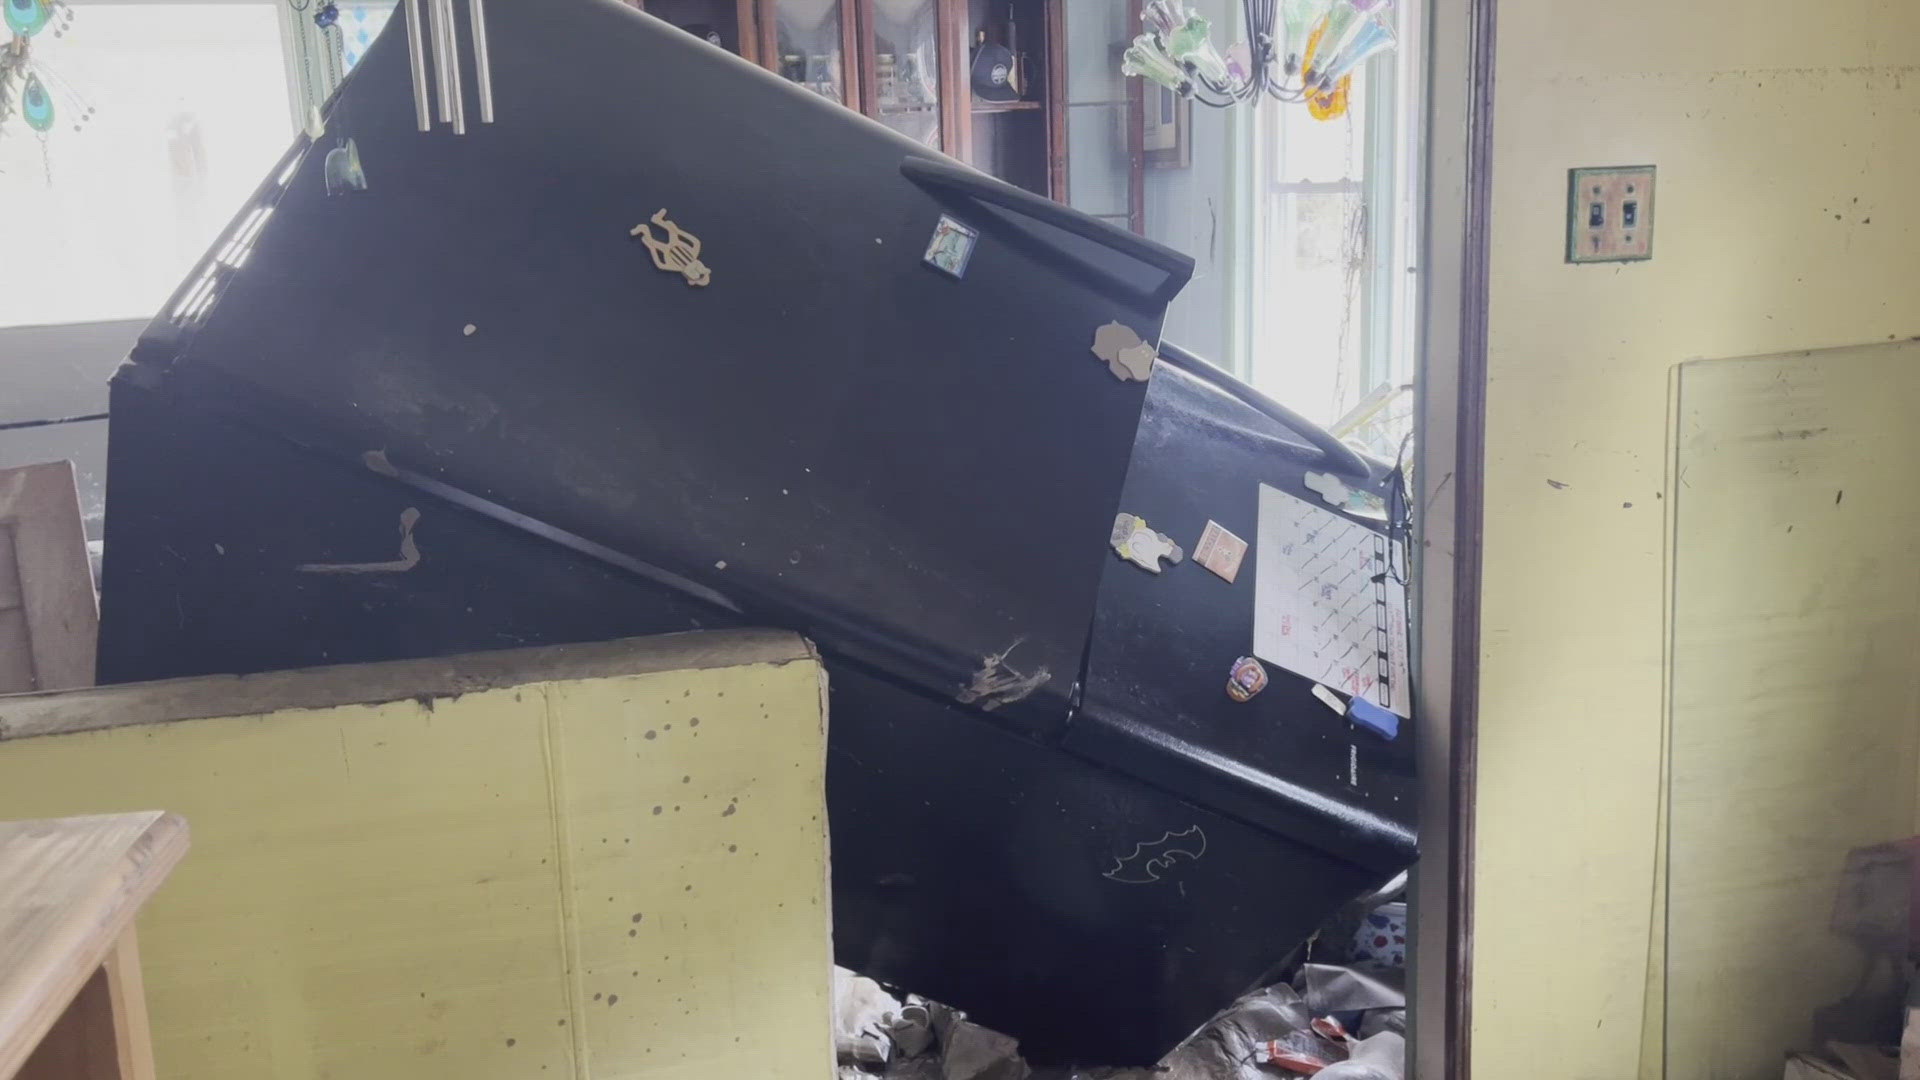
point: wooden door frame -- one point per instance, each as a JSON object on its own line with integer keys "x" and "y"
{"x": 956, "y": 85}
{"x": 1136, "y": 141}
{"x": 747, "y": 18}
{"x": 853, "y": 74}
{"x": 865, "y": 99}
{"x": 767, "y": 33}
{"x": 1055, "y": 118}
{"x": 1458, "y": 152}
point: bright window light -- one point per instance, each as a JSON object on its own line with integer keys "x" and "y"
{"x": 1334, "y": 278}
{"x": 190, "y": 113}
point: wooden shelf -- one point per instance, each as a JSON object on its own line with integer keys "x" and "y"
{"x": 70, "y": 994}
{"x": 1006, "y": 106}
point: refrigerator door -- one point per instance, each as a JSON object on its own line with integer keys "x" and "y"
{"x": 1094, "y": 916}
{"x": 1163, "y": 646}
{"x": 871, "y": 413}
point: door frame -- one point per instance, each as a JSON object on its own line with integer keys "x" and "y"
{"x": 1451, "y": 403}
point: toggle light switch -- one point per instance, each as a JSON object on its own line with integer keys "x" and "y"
{"x": 1610, "y": 214}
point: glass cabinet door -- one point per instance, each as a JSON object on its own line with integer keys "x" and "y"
{"x": 808, "y": 43}
{"x": 1103, "y": 119}
{"x": 726, "y": 23}
{"x": 904, "y": 74}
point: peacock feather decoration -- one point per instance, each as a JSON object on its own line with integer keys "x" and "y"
{"x": 26, "y": 87}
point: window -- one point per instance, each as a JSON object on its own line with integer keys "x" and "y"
{"x": 1333, "y": 280}
{"x": 166, "y": 116}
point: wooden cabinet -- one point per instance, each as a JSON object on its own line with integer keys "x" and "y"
{"x": 813, "y": 43}
{"x": 909, "y": 68}
{"x": 730, "y": 24}
{"x": 1101, "y": 114}
{"x": 1017, "y": 140}
{"x": 1069, "y": 128}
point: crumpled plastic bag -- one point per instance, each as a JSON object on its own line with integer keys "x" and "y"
{"x": 862, "y": 1015}
{"x": 1230, "y": 1046}
{"x": 1382, "y": 1057}
{"x": 1331, "y": 989}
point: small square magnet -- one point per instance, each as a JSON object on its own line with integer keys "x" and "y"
{"x": 951, "y": 246}
{"x": 1220, "y": 551}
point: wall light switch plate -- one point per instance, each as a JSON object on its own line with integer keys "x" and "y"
{"x": 1610, "y": 214}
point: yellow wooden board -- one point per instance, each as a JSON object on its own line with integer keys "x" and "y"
{"x": 609, "y": 876}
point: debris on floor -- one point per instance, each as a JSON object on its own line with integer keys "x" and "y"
{"x": 863, "y": 1016}
{"x": 1335, "y": 1021}
{"x": 1845, "y": 1061}
{"x": 971, "y": 1052}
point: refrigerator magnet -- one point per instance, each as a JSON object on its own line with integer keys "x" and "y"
{"x": 1134, "y": 541}
{"x": 1332, "y": 489}
{"x": 1220, "y": 551}
{"x": 951, "y": 247}
{"x": 678, "y": 252}
{"x": 1129, "y": 358}
{"x": 1330, "y": 699}
{"x": 1246, "y": 679}
{"x": 1381, "y": 722}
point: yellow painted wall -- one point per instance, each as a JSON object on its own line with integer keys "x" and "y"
{"x": 1785, "y": 134}
{"x": 593, "y": 878}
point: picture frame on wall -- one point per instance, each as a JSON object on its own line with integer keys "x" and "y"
{"x": 1167, "y": 138}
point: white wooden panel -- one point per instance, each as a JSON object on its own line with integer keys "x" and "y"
{"x": 1795, "y": 735}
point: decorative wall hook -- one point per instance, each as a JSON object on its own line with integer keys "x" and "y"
{"x": 679, "y": 253}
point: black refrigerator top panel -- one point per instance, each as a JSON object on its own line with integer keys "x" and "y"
{"x": 676, "y": 344}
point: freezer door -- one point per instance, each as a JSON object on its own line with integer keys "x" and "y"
{"x": 912, "y": 457}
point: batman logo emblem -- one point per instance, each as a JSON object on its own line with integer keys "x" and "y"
{"x": 1150, "y": 861}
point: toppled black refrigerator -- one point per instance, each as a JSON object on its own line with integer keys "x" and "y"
{"x": 674, "y": 344}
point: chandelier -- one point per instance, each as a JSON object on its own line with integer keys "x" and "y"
{"x": 1297, "y": 51}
